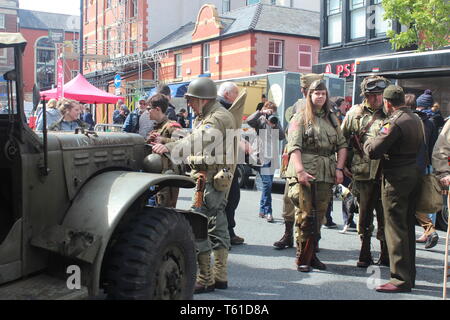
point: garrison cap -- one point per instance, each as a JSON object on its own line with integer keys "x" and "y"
{"x": 307, "y": 79}
{"x": 318, "y": 85}
{"x": 394, "y": 93}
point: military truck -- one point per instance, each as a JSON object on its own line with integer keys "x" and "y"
{"x": 79, "y": 201}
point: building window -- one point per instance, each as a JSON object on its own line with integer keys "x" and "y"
{"x": 206, "y": 57}
{"x": 304, "y": 56}
{"x": 178, "y": 65}
{"x": 357, "y": 19}
{"x": 134, "y": 8}
{"x": 73, "y": 73}
{"x": 85, "y": 13}
{"x": 85, "y": 45}
{"x": 2, "y": 21}
{"x": 273, "y": 2}
{"x": 381, "y": 26}
{"x": 226, "y": 6}
{"x": 108, "y": 41}
{"x": 249, "y": 2}
{"x": 275, "y": 53}
{"x": 334, "y": 18}
{"x": 108, "y": 4}
{"x": 45, "y": 63}
{"x": 3, "y": 53}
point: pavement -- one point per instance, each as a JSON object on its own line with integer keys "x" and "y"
{"x": 256, "y": 271}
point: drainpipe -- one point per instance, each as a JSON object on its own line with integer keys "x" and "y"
{"x": 81, "y": 37}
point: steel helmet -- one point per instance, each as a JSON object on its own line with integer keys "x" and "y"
{"x": 153, "y": 163}
{"x": 374, "y": 84}
{"x": 202, "y": 88}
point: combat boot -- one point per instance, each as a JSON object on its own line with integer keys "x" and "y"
{"x": 365, "y": 257}
{"x": 220, "y": 268}
{"x": 304, "y": 257}
{"x": 317, "y": 264}
{"x": 287, "y": 241}
{"x": 384, "y": 255}
{"x": 205, "y": 282}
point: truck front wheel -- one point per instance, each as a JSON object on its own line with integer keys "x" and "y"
{"x": 153, "y": 257}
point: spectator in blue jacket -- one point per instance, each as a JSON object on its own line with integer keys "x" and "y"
{"x": 170, "y": 113}
{"x": 121, "y": 113}
{"x": 86, "y": 117}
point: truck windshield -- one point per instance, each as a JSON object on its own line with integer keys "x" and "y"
{"x": 7, "y": 88}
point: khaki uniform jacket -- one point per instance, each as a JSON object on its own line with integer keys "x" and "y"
{"x": 202, "y": 151}
{"x": 355, "y": 122}
{"x": 165, "y": 129}
{"x": 398, "y": 141}
{"x": 441, "y": 152}
{"x": 318, "y": 144}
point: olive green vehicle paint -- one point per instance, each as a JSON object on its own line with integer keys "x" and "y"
{"x": 72, "y": 200}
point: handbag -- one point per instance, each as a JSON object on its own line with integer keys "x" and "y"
{"x": 430, "y": 198}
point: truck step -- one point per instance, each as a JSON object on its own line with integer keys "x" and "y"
{"x": 41, "y": 287}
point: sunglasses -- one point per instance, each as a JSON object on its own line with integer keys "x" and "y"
{"x": 376, "y": 84}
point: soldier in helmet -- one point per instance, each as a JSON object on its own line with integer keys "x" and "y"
{"x": 162, "y": 133}
{"x": 210, "y": 199}
{"x": 397, "y": 144}
{"x": 314, "y": 139}
{"x": 361, "y": 122}
{"x": 287, "y": 240}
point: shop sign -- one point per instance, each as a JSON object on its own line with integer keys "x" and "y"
{"x": 342, "y": 70}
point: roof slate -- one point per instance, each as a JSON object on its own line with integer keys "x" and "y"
{"x": 258, "y": 17}
{"x": 46, "y": 20}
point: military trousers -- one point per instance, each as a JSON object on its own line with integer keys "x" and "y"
{"x": 168, "y": 197}
{"x": 369, "y": 199}
{"x": 300, "y": 196}
{"x": 288, "y": 213}
{"x": 399, "y": 192}
{"x": 213, "y": 206}
{"x": 426, "y": 223}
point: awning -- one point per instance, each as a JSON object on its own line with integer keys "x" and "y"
{"x": 177, "y": 90}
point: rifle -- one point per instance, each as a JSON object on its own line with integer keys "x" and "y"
{"x": 356, "y": 142}
{"x": 356, "y": 138}
{"x": 200, "y": 189}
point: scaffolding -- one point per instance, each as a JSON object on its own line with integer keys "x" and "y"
{"x": 121, "y": 50}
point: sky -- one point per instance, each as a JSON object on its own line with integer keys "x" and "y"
{"x": 56, "y": 6}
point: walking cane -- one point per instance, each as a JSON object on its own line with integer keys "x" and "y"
{"x": 446, "y": 247}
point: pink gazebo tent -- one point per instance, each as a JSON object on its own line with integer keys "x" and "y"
{"x": 81, "y": 90}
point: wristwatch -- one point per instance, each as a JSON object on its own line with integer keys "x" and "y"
{"x": 340, "y": 169}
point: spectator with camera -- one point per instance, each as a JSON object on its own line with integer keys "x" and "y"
{"x": 264, "y": 122}
{"x": 121, "y": 113}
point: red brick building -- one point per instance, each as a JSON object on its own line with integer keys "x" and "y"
{"x": 243, "y": 42}
{"x": 41, "y": 54}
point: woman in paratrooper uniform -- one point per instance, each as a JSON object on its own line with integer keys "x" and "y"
{"x": 314, "y": 139}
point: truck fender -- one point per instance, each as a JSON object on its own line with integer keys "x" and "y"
{"x": 95, "y": 213}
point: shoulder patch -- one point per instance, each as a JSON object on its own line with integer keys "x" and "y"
{"x": 385, "y": 128}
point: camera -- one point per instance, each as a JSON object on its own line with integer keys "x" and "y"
{"x": 273, "y": 119}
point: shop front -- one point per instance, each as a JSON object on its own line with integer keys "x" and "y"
{"x": 414, "y": 71}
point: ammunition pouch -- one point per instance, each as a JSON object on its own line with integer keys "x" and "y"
{"x": 222, "y": 180}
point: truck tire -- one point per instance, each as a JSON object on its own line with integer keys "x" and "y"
{"x": 152, "y": 258}
{"x": 243, "y": 179}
